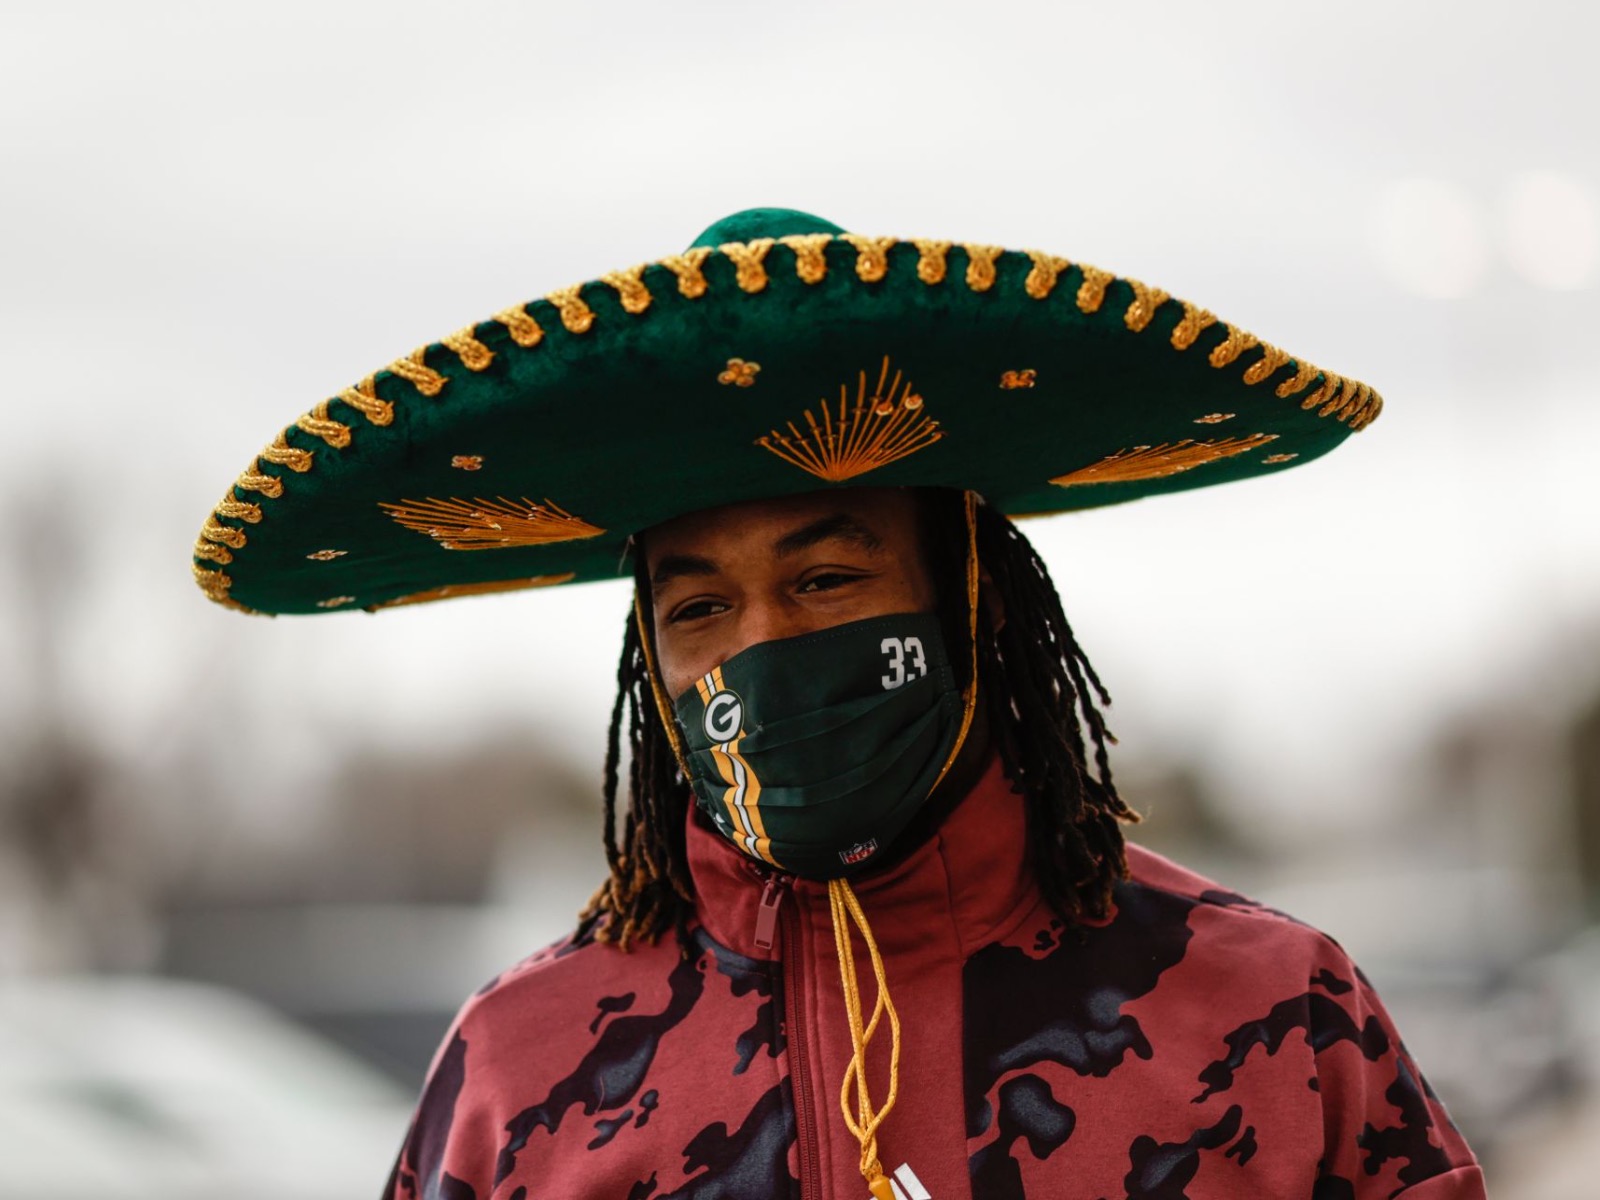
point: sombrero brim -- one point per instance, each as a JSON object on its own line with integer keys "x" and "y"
{"x": 526, "y": 449}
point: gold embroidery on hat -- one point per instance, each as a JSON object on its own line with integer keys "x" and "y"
{"x": 931, "y": 263}
{"x": 980, "y": 265}
{"x": 1214, "y": 418}
{"x": 467, "y": 462}
{"x": 318, "y": 423}
{"x": 630, "y": 288}
{"x": 575, "y": 314}
{"x": 453, "y": 590}
{"x": 227, "y": 535}
{"x": 1230, "y": 347}
{"x": 739, "y": 372}
{"x": 1146, "y": 300}
{"x": 1092, "y": 291}
{"x": 1157, "y": 462}
{"x": 1047, "y": 268}
{"x": 474, "y": 355}
{"x": 364, "y": 399}
{"x": 1280, "y": 458}
{"x": 335, "y": 601}
{"x": 459, "y": 524}
{"x": 212, "y": 552}
{"x": 239, "y": 510}
{"x": 1271, "y": 359}
{"x": 810, "y": 259}
{"x": 687, "y": 267}
{"x": 326, "y": 555}
{"x": 1024, "y": 378}
{"x": 524, "y": 330}
{"x": 872, "y": 255}
{"x": 281, "y": 454}
{"x": 1193, "y": 322}
{"x": 254, "y": 481}
{"x": 748, "y": 260}
{"x": 884, "y": 424}
{"x": 419, "y": 374}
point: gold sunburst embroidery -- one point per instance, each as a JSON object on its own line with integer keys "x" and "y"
{"x": 1214, "y": 418}
{"x": 884, "y": 424}
{"x": 498, "y": 524}
{"x": 1156, "y": 462}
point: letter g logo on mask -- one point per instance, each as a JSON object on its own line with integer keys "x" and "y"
{"x": 724, "y": 716}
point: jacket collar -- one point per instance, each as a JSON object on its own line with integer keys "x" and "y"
{"x": 970, "y": 879}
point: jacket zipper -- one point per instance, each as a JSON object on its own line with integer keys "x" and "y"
{"x": 770, "y": 916}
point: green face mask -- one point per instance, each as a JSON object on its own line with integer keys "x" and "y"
{"x": 813, "y": 753}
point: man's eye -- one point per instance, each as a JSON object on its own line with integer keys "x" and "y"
{"x": 828, "y": 581}
{"x": 696, "y": 610}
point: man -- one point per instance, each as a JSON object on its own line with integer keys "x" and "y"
{"x": 860, "y": 735}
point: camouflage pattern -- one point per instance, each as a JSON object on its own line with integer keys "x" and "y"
{"x": 1196, "y": 1045}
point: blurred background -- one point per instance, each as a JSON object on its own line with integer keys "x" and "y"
{"x": 248, "y": 868}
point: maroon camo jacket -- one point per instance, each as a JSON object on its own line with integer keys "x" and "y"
{"x": 1194, "y": 1045}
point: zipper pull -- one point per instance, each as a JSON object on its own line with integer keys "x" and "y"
{"x": 767, "y": 913}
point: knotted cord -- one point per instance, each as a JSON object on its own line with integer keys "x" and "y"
{"x": 865, "y": 1120}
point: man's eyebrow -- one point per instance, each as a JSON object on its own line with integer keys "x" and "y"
{"x": 840, "y": 526}
{"x": 673, "y": 566}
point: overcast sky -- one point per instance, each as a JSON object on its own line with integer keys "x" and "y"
{"x": 215, "y": 215}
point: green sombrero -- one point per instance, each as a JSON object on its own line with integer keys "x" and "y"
{"x": 778, "y": 354}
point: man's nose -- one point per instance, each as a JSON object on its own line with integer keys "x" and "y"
{"x": 769, "y": 620}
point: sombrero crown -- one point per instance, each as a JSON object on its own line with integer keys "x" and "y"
{"x": 777, "y": 354}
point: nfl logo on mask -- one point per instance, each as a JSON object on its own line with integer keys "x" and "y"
{"x": 860, "y": 852}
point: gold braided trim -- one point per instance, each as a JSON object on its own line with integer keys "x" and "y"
{"x": 1047, "y": 268}
{"x": 254, "y": 481}
{"x": 1092, "y": 291}
{"x": 213, "y": 583}
{"x": 810, "y": 259}
{"x": 499, "y": 524}
{"x": 1193, "y": 322}
{"x": 225, "y": 535}
{"x": 1304, "y": 374}
{"x": 524, "y": 330}
{"x": 748, "y": 258}
{"x": 575, "y": 314}
{"x": 872, "y": 255}
{"x": 212, "y": 552}
{"x": 364, "y": 399}
{"x": 417, "y": 373}
{"x": 452, "y": 590}
{"x": 886, "y": 424}
{"x": 630, "y": 288}
{"x": 1263, "y": 368}
{"x": 318, "y": 423}
{"x": 474, "y": 355}
{"x": 238, "y": 510}
{"x": 1157, "y": 462}
{"x": 688, "y": 268}
{"x": 931, "y": 255}
{"x": 980, "y": 265}
{"x": 1146, "y": 300}
{"x": 1230, "y": 347}
{"x": 281, "y": 454}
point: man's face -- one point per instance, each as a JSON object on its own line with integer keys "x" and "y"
{"x": 728, "y": 578}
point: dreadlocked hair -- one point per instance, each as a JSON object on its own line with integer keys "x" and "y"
{"x": 1041, "y": 700}
{"x": 1041, "y": 697}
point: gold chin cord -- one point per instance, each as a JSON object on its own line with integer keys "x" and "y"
{"x": 862, "y": 1119}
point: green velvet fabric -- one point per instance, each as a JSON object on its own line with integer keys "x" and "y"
{"x": 627, "y": 424}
